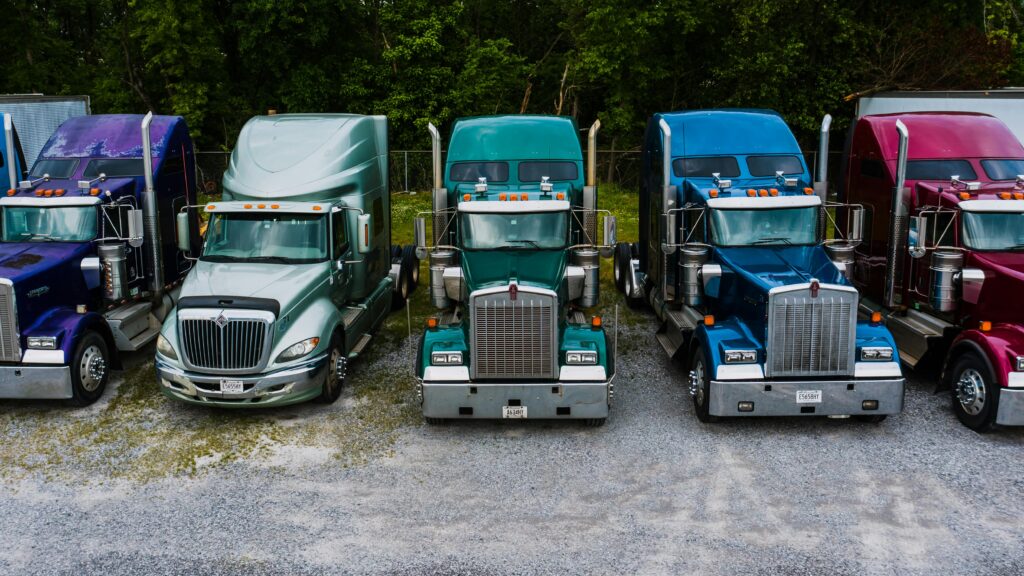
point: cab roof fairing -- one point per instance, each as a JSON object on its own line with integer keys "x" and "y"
{"x": 515, "y": 137}
{"x": 307, "y": 157}
{"x": 110, "y": 136}
{"x": 938, "y": 135}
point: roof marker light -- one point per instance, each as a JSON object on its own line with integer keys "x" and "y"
{"x": 317, "y": 208}
{"x": 560, "y": 196}
{"x": 59, "y": 192}
{"x": 751, "y": 192}
{"x": 773, "y": 191}
{"x": 709, "y": 320}
{"x": 595, "y": 321}
{"x": 94, "y": 192}
{"x": 713, "y": 193}
{"x": 210, "y": 206}
{"x": 432, "y": 322}
{"x": 1005, "y": 195}
{"x": 466, "y": 197}
{"x": 275, "y": 206}
{"x": 11, "y": 192}
{"x": 247, "y": 206}
{"x": 48, "y": 193}
{"x": 1018, "y": 195}
{"x": 39, "y": 192}
{"x": 502, "y": 196}
{"x": 876, "y": 317}
{"x": 261, "y": 206}
{"x": 762, "y": 193}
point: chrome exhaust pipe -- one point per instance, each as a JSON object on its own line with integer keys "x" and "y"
{"x": 12, "y": 157}
{"x": 592, "y": 153}
{"x": 826, "y": 123}
{"x": 898, "y": 230}
{"x": 151, "y": 223}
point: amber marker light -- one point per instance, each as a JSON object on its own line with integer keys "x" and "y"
{"x": 261, "y": 206}
{"x": 808, "y": 191}
{"x": 210, "y": 206}
{"x": 466, "y": 197}
{"x": 11, "y": 192}
{"x": 59, "y": 192}
{"x": 751, "y": 192}
{"x": 965, "y": 195}
{"x": 709, "y": 320}
{"x": 275, "y": 206}
{"x": 762, "y": 193}
{"x": 713, "y": 193}
{"x": 247, "y": 206}
{"x": 39, "y": 192}
{"x": 773, "y": 192}
{"x": 560, "y": 196}
{"x": 876, "y": 317}
{"x": 1018, "y": 195}
{"x": 985, "y": 326}
{"x": 595, "y": 321}
{"x": 1005, "y": 195}
{"x": 317, "y": 208}
{"x": 94, "y": 192}
{"x": 432, "y": 322}
{"x": 48, "y": 193}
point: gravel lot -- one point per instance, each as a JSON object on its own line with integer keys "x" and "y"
{"x": 137, "y": 484}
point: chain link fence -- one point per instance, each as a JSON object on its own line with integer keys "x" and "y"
{"x": 410, "y": 170}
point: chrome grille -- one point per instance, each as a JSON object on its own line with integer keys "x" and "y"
{"x": 10, "y": 340}
{"x": 811, "y": 335}
{"x": 513, "y": 338}
{"x": 223, "y": 340}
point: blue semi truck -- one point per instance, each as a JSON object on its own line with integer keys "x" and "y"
{"x": 88, "y": 257}
{"x": 744, "y": 264}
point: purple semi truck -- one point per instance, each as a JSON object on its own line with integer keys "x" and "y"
{"x": 88, "y": 257}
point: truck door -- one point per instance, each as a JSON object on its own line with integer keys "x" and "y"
{"x": 341, "y": 250}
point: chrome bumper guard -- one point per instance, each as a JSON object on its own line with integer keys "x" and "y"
{"x": 779, "y": 398}
{"x": 35, "y": 382}
{"x": 292, "y": 384}
{"x": 1011, "y": 407}
{"x": 546, "y": 400}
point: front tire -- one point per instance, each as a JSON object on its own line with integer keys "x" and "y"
{"x": 404, "y": 286}
{"x": 975, "y": 392}
{"x": 334, "y": 381}
{"x": 90, "y": 369}
{"x": 700, "y": 387}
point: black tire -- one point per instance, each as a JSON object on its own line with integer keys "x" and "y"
{"x": 594, "y": 422}
{"x": 90, "y": 369}
{"x": 396, "y": 251}
{"x": 702, "y": 398}
{"x": 634, "y": 249}
{"x": 870, "y": 418}
{"x": 620, "y": 265}
{"x": 404, "y": 286}
{"x": 333, "y": 381}
{"x": 409, "y": 256}
{"x": 434, "y": 421}
{"x": 975, "y": 392}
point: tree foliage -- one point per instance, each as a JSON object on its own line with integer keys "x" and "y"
{"x": 217, "y": 62}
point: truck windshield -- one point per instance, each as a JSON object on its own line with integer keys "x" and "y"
{"x": 473, "y": 171}
{"x": 113, "y": 167}
{"x": 1003, "y": 169}
{"x": 770, "y": 165}
{"x": 39, "y": 224}
{"x": 545, "y": 230}
{"x": 939, "y": 170}
{"x": 706, "y": 167}
{"x": 764, "y": 226}
{"x": 264, "y": 237}
{"x": 535, "y": 171}
{"x": 994, "y": 230}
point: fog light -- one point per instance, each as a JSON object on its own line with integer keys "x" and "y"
{"x": 869, "y": 405}
{"x": 745, "y": 407}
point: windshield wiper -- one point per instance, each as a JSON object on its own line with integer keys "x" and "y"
{"x": 34, "y": 235}
{"x": 270, "y": 259}
{"x": 530, "y": 242}
{"x": 770, "y": 240}
{"x": 221, "y": 258}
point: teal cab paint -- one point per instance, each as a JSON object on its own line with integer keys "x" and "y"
{"x": 514, "y": 262}
{"x": 745, "y": 264}
{"x": 296, "y": 270}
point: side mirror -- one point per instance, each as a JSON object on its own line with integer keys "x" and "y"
{"x": 419, "y": 232}
{"x": 917, "y": 236}
{"x": 610, "y": 236}
{"x": 855, "y": 225}
{"x": 183, "y": 228}
{"x": 364, "y": 242}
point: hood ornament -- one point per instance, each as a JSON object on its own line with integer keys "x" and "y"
{"x": 513, "y": 291}
{"x": 815, "y": 286}
{"x": 221, "y": 320}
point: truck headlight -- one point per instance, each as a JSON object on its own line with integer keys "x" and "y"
{"x": 577, "y": 357}
{"x": 446, "y": 358}
{"x": 876, "y": 354}
{"x": 1020, "y": 363}
{"x": 42, "y": 342}
{"x": 299, "y": 349}
{"x": 163, "y": 346}
{"x": 740, "y": 356}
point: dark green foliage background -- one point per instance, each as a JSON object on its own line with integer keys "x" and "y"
{"x": 217, "y": 62}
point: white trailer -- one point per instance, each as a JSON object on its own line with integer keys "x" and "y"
{"x": 1007, "y": 104}
{"x": 37, "y": 117}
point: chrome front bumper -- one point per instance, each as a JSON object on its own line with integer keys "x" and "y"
{"x": 1011, "y": 407}
{"x": 287, "y": 386}
{"x": 775, "y": 398}
{"x": 35, "y": 382}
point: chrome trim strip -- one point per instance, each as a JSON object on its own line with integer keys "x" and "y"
{"x": 446, "y": 374}
{"x": 32, "y": 356}
{"x": 769, "y": 202}
{"x": 877, "y": 370}
{"x": 517, "y": 207}
{"x": 582, "y": 374}
{"x": 739, "y": 372}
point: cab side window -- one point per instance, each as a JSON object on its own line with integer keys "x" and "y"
{"x": 871, "y": 168}
{"x": 378, "y": 216}
{"x": 340, "y": 240}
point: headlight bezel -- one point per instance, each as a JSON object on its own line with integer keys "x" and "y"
{"x": 41, "y": 342}
{"x": 1020, "y": 364}
{"x": 740, "y": 356}
{"x": 581, "y": 357}
{"x": 298, "y": 350}
{"x": 876, "y": 354}
{"x": 164, "y": 348}
{"x": 446, "y": 358}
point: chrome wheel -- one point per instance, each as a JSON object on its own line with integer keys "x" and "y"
{"x": 697, "y": 382}
{"x": 92, "y": 368}
{"x": 971, "y": 392}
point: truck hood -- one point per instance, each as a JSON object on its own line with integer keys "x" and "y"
{"x": 289, "y": 284}
{"x": 768, "y": 267}
{"x": 1004, "y": 282}
{"x": 45, "y": 275}
{"x": 487, "y": 268}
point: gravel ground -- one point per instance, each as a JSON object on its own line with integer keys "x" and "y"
{"x": 364, "y": 487}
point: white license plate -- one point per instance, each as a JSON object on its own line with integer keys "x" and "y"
{"x": 231, "y": 386}
{"x": 808, "y": 396}
{"x": 513, "y": 411}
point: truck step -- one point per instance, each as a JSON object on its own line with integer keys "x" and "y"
{"x": 360, "y": 345}
{"x": 350, "y": 314}
{"x": 577, "y": 317}
{"x": 670, "y": 345}
{"x": 132, "y": 325}
{"x": 914, "y": 332}
{"x": 140, "y": 340}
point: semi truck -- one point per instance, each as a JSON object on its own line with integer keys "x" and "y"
{"x": 295, "y": 271}
{"x": 514, "y": 273}
{"x": 943, "y": 255}
{"x": 744, "y": 265}
{"x": 87, "y": 253}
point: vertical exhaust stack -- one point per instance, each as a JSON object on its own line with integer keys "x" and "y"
{"x": 151, "y": 223}
{"x": 821, "y": 179}
{"x": 668, "y": 200}
{"x": 12, "y": 156}
{"x": 898, "y": 230}
{"x": 440, "y": 195}
{"x": 590, "y": 186}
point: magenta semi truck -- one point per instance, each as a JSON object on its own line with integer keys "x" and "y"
{"x": 943, "y": 253}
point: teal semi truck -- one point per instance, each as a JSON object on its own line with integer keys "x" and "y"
{"x": 296, "y": 270}
{"x": 514, "y": 267}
